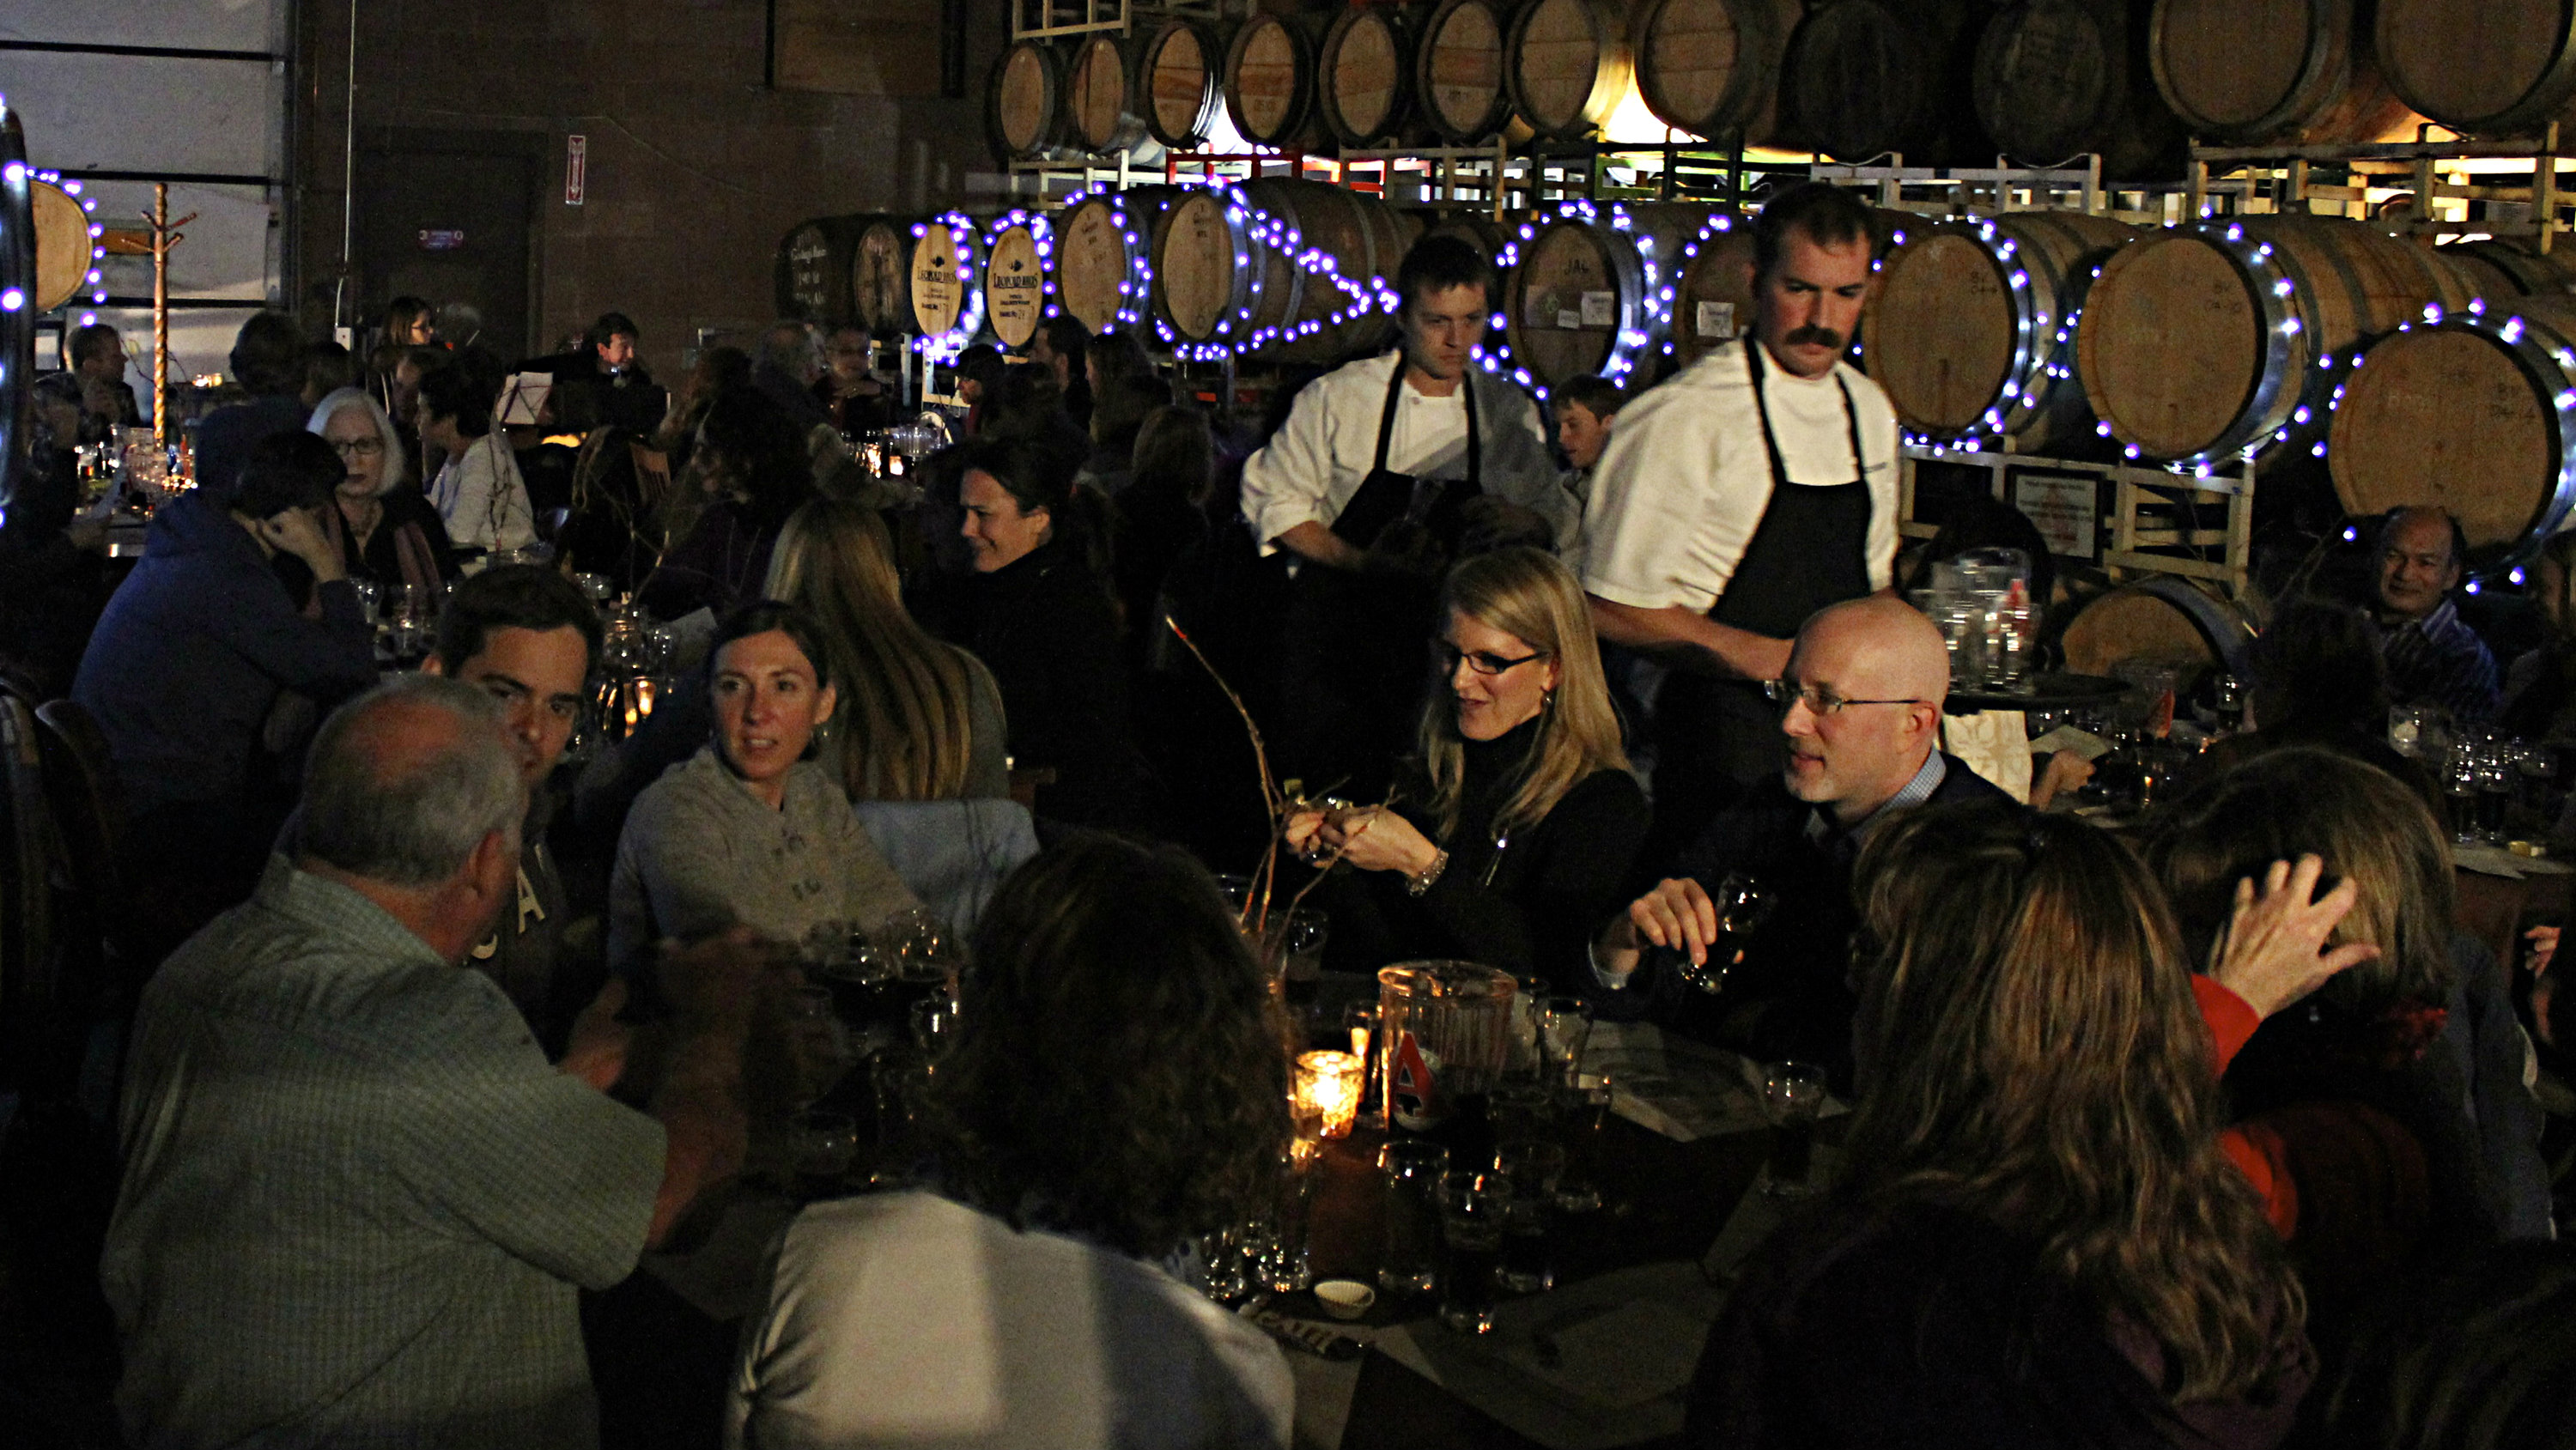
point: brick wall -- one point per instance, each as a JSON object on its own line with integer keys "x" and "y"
{"x": 696, "y": 168}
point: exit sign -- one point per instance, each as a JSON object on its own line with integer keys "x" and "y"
{"x": 576, "y": 168}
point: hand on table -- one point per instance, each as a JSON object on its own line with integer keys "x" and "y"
{"x": 2273, "y": 950}
{"x": 2065, "y": 771}
{"x": 1374, "y": 838}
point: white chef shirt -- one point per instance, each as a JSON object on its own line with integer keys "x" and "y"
{"x": 1311, "y": 467}
{"x": 1684, "y": 481}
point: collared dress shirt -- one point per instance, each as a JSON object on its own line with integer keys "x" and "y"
{"x": 2439, "y": 660}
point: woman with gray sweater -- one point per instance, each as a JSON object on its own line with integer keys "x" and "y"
{"x": 748, "y": 832}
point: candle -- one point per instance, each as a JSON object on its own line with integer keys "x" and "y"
{"x": 1328, "y": 1088}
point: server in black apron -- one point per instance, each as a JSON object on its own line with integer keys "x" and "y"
{"x": 1740, "y": 497}
{"x": 1386, "y": 470}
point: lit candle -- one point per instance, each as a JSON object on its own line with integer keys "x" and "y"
{"x": 1328, "y": 1087}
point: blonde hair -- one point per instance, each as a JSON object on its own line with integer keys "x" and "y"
{"x": 2370, "y": 829}
{"x": 2030, "y": 1051}
{"x": 906, "y": 700}
{"x": 1528, "y": 595}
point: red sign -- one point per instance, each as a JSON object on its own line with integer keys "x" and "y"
{"x": 576, "y": 168}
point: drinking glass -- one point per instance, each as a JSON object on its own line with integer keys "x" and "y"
{"x": 1413, "y": 1170}
{"x": 1564, "y": 1028}
{"x": 1793, "y": 1097}
{"x": 1473, "y": 1208}
{"x": 934, "y": 1026}
{"x": 1743, "y": 904}
{"x": 1535, "y": 1168}
{"x": 2460, "y": 794}
{"x": 818, "y": 1049}
{"x": 902, "y": 1083}
{"x": 1579, "y": 1191}
{"x": 1360, "y": 1019}
{"x": 2536, "y": 767}
{"x": 822, "y": 1146}
{"x": 2496, "y": 776}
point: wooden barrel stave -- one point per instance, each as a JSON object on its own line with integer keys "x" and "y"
{"x": 2243, "y": 72}
{"x": 880, "y": 286}
{"x": 2466, "y": 416}
{"x": 1567, "y": 65}
{"x": 1972, "y": 329}
{"x": 64, "y": 252}
{"x": 1177, "y": 72}
{"x": 1267, "y": 305}
{"x": 1104, "y": 107}
{"x": 1364, "y": 72}
{"x": 1866, "y": 77}
{"x": 2481, "y": 67}
{"x": 1104, "y": 253}
{"x": 1712, "y": 67}
{"x": 1459, "y": 70}
{"x": 2058, "y": 78}
{"x": 1270, "y": 81}
{"x": 1024, "y": 110}
{"x": 941, "y": 263}
{"x": 2205, "y": 340}
{"x": 1013, "y": 277}
{"x": 2501, "y": 269}
{"x": 813, "y": 272}
{"x": 2167, "y": 621}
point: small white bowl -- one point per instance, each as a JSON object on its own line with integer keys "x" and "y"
{"x": 1345, "y": 1298}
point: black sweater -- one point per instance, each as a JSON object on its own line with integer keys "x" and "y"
{"x": 1045, "y": 626}
{"x": 1526, "y": 907}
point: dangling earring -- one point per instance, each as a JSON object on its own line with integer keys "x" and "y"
{"x": 1546, "y": 701}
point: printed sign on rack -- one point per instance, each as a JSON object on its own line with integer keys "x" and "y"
{"x": 2065, "y": 507}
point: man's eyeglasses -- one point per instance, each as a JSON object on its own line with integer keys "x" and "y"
{"x": 1483, "y": 662}
{"x": 1820, "y": 701}
{"x": 358, "y": 447}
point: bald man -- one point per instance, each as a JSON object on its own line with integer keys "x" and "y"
{"x": 2433, "y": 657}
{"x": 1860, "y": 717}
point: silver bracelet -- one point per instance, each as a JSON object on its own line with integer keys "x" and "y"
{"x": 1431, "y": 873}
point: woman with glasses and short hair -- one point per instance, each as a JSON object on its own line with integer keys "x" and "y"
{"x": 386, "y": 532}
{"x": 1516, "y": 826}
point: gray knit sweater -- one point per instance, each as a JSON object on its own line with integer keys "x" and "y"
{"x": 701, "y": 853}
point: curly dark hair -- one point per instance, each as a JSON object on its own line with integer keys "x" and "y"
{"x": 1121, "y": 1068}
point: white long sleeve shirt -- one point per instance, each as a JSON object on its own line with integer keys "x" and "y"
{"x": 1684, "y": 481}
{"x": 482, "y": 499}
{"x": 1310, "y": 468}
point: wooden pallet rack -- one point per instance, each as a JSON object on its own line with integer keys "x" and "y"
{"x": 2502, "y": 188}
{"x": 2130, "y": 521}
{"x": 1038, "y": 19}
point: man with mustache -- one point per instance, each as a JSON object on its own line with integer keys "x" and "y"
{"x": 1742, "y": 496}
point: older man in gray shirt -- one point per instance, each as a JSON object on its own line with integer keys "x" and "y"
{"x": 357, "y": 1199}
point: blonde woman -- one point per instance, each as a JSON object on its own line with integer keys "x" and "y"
{"x": 918, "y": 719}
{"x": 1518, "y": 824}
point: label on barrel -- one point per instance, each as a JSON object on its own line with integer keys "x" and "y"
{"x": 1717, "y": 319}
{"x": 1569, "y": 319}
{"x": 1413, "y": 1098}
{"x": 1013, "y": 288}
{"x": 1600, "y": 309}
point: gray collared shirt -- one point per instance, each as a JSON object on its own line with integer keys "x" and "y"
{"x": 1822, "y": 827}
{"x": 357, "y": 1200}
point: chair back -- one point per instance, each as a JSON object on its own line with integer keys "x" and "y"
{"x": 88, "y": 802}
{"x": 33, "y": 982}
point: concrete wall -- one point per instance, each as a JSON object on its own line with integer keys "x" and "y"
{"x": 696, "y": 167}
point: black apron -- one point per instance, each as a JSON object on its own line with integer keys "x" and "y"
{"x": 1354, "y": 652}
{"x": 1715, "y": 737}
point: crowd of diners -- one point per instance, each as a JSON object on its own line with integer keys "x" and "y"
{"x": 2211, "y": 1130}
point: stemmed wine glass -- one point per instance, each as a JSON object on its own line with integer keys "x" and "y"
{"x": 1743, "y": 905}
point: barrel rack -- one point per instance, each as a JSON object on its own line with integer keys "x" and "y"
{"x": 1038, "y": 19}
{"x": 2363, "y": 182}
{"x": 2130, "y": 521}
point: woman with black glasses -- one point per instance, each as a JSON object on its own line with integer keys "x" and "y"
{"x": 1518, "y": 822}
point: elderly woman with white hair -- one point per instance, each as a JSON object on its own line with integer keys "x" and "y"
{"x": 385, "y": 530}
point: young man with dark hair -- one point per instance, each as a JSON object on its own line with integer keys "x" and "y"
{"x": 1739, "y": 498}
{"x": 1060, "y": 346}
{"x": 268, "y": 361}
{"x": 527, "y": 636}
{"x": 1381, "y": 472}
{"x": 1584, "y": 408}
{"x": 107, "y": 400}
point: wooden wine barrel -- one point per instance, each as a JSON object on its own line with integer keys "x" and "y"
{"x": 2223, "y": 335}
{"x": 940, "y": 259}
{"x": 64, "y": 251}
{"x": 1104, "y": 253}
{"x": 2057, "y": 78}
{"x": 1584, "y": 283}
{"x": 1024, "y": 110}
{"x": 2466, "y": 416}
{"x": 2239, "y": 72}
{"x": 2501, "y": 269}
{"x": 2166, "y": 621}
{"x": 1365, "y": 75}
{"x": 1013, "y": 277}
{"x": 1177, "y": 69}
{"x": 1863, "y": 78}
{"x": 1567, "y": 64}
{"x": 1103, "y": 107}
{"x": 1712, "y": 67}
{"x": 1270, "y": 81}
{"x": 1265, "y": 304}
{"x": 2484, "y": 67}
{"x": 1972, "y": 331}
{"x": 1458, "y": 69}
{"x": 814, "y": 271}
{"x": 879, "y": 273}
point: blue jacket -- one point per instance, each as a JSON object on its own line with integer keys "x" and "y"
{"x": 194, "y": 649}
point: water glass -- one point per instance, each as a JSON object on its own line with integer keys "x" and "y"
{"x": 902, "y": 1083}
{"x": 1564, "y": 1028}
{"x": 1413, "y": 1170}
{"x": 821, "y": 1148}
{"x": 1535, "y": 1168}
{"x": 1588, "y": 1105}
{"x": 934, "y": 1025}
{"x": 1793, "y": 1097}
{"x": 1473, "y": 1209}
